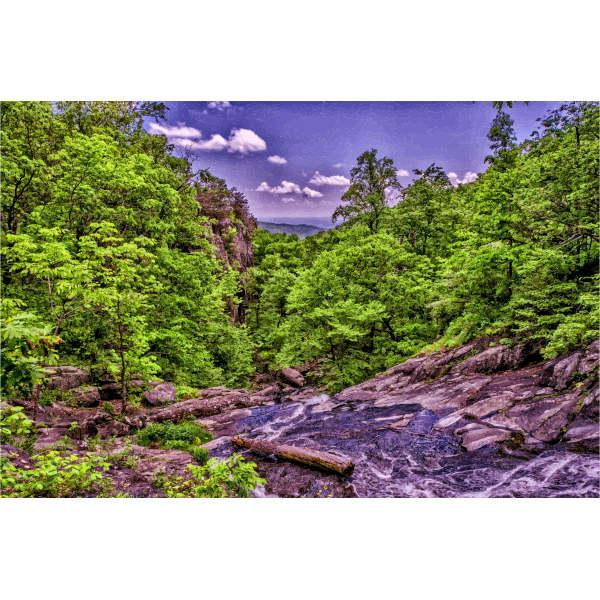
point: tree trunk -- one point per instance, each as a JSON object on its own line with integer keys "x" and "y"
{"x": 123, "y": 374}
{"x": 304, "y": 456}
{"x": 36, "y": 402}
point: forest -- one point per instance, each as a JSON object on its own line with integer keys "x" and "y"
{"x": 110, "y": 256}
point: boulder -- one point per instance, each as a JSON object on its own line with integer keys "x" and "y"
{"x": 114, "y": 428}
{"x": 270, "y": 391}
{"x": 201, "y": 407}
{"x": 66, "y": 378}
{"x": 164, "y": 392}
{"x": 590, "y": 359}
{"x": 87, "y": 395}
{"x": 292, "y": 377}
{"x": 564, "y": 371}
{"x": 494, "y": 359}
{"x": 478, "y": 437}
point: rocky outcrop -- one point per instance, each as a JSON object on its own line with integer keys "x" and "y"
{"x": 481, "y": 419}
{"x": 164, "y": 392}
{"x": 87, "y": 395}
{"x": 590, "y": 359}
{"x": 292, "y": 377}
{"x": 66, "y": 378}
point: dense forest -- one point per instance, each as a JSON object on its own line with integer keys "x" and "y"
{"x": 110, "y": 258}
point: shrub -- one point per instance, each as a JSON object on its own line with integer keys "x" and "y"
{"x": 184, "y": 392}
{"x": 48, "y": 397}
{"x": 199, "y": 454}
{"x": 185, "y": 436}
{"x": 167, "y": 431}
{"x": 55, "y": 476}
{"x": 16, "y": 429}
{"x": 231, "y": 478}
{"x": 107, "y": 407}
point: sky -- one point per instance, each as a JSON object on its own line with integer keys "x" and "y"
{"x": 292, "y": 160}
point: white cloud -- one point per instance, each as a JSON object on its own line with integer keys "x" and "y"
{"x": 179, "y": 132}
{"x": 286, "y": 187}
{"x": 402, "y": 173}
{"x": 318, "y": 179}
{"x": 338, "y": 165}
{"x": 244, "y": 141}
{"x": 277, "y": 160}
{"x": 216, "y": 142}
{"x": 311, "y": 193}
{"x": 240, "y": 140}
{"x": 286, "y": 200}
{"x": 219, "y": 105}
{"x": 468, "y": 178}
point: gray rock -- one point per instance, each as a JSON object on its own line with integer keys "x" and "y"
{"x": 164, "y": 392}
{"x": 590, "y": 360}
{"x": 114, "y": 428}
{"x": 214, "y": 444}
{"x": 88, "y": 396}
{"x": 214, "y": 391}
{"x": 66, "y": 378}
{"x": 292, "y": 377}
{"x": 577, "y": 433}
{"x": 564, "y": 371}
{"x": 478, "y": 437}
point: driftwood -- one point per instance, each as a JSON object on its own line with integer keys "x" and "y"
{"x": 304, "y": 456}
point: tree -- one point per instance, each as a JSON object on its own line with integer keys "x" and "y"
{"x": 26, "y": 346}
{"x": 499, "y": 104}
{"x": 371, "y": 182}
{"x": 427, "y": 217}
{"x": 502, "y": 137}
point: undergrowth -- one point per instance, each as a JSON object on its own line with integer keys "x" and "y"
{"x": 186, "y": 436}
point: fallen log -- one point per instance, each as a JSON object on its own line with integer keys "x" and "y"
{"x": 304, "y": 456}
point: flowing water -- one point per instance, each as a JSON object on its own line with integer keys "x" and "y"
{"x": 415, "y": 461}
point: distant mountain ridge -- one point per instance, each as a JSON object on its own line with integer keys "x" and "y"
{"x": 301, "y": 230}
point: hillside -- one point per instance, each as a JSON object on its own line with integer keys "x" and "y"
{"x": 302, "y": 230}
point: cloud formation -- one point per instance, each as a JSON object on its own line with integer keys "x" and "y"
{"x": 286, "y": 187}
{"x": 402, "y": 173}
{"x": 179, "y": 132}
{"x": 318, "y": 179}
{"x": 286, "y": 200}
{"x": 311, "y": 193}
{"x": 277, "y": 160}
{"x": 338, "y": 165}
{"x": 240, "y": 140}
{"x": 244, "y": 141}
{"x": 468, "y": 178}
{"x": 219, "y": 105}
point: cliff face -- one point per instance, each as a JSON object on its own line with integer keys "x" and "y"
{"x": 233, "y": 243}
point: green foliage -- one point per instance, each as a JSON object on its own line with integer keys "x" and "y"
{"x": 200, "y": 454}
{"x": 231, "y": 478}
{"x": 14, "y": 425}
{"x": 185, "y": 392}
{"x": 108, "y": 408}
{"x": 48, "y": 397}
{"x": 185, "y": 436}
{"x": 371, "y": 180}
{"x": 105, "y": 235}
{"x": 25, "y": 344}
{"x": 54, "y": 476}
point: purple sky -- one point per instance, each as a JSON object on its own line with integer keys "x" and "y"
{"x": 292, "y": 160}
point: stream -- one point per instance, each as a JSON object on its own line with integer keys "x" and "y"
{"x": 415, "y": 461}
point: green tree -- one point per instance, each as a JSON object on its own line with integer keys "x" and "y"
{"x": 502, "y": 137}
{"x": 370, "y": 183}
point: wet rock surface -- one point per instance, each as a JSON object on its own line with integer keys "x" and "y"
{"x": 474, "y": 421}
